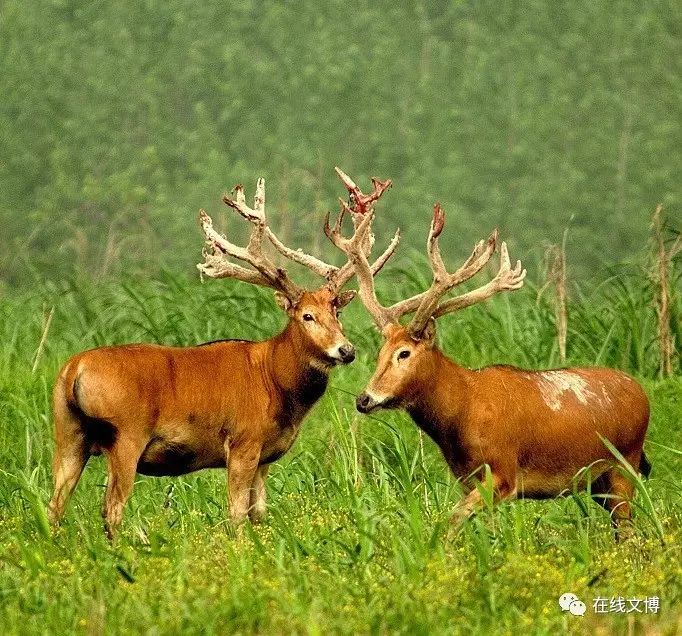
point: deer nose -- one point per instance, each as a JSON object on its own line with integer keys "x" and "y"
{"x": 347, "y": 353}
{"x": 363, "y": 403}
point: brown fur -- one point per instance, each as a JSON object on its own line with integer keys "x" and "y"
{"x": 536, "y": 430}
{"x": 160, "y": 410}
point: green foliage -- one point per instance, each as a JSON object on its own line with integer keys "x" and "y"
{"x": 357, "y": 539}
{"x": 119, "y": 120}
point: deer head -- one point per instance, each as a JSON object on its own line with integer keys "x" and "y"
{"x": 405, "y": 356}
{"x": 314, "y": 313}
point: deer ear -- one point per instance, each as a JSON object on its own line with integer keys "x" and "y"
{"x": 428, "y": 333}
{"x": 344, "y": 298}
{"x": 284, "y": 302}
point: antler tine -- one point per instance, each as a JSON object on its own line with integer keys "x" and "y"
{"x": 427, "y": 302}
{"x": 442, "y": 281}
{"x": 507, "y": 279}
{"x": 216, "y": 264}
{"x": 378, "y": 264}
{"x": 299, "y": 256}
{"x": 432, "y": 246}
{"x": 360, "y": 205}
{"x": 354, "y": 249}
{"x": 255, "y": 215}
{"x": 356, "y": 242}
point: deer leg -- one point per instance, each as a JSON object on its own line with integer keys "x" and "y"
{"x": 242, "y": 465}
{"x": 257, "y": 505}
{"x": 599, "y": 490}
{"x": 69, "y": 461}
{"x": 122, "y": 459}
{"x": 503, "y": 488}
{"x": 621, "y": 491}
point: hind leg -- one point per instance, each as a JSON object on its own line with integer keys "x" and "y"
{"x": 122, "y": 459}
{"x": 71, "y": 453}
{"x": 68, "y": 463}
{"x": 504, "y": 487}
{"x": 620, "y": 489}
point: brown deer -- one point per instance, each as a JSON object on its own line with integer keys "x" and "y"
{"x": 158, "y": 410}
{"x": 535, "y": 430}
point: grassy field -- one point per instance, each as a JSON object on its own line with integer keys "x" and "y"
{"x": 357, "y": 539}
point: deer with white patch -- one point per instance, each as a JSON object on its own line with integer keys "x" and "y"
{"x": 536, "y": 431}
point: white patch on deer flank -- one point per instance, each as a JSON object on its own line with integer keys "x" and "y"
{"x": 605, "y": 395}
{"x": 554, "y": 384}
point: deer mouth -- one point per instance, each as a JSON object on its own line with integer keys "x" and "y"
{"x": 344, "y": 354}
{"x": 366, "y": 403}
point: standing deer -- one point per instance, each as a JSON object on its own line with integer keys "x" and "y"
{"x": 535, "y": 430}
{"x": 160, "y": 410}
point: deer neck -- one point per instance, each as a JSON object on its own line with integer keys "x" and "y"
{"x": 295, "y": 369}
{"x": 441, "y": 397}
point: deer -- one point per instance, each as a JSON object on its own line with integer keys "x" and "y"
{"x": 234, "y": 404}
{"x": 539, "y": 433}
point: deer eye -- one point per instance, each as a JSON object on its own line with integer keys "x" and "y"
{"x": 405, "y": 353}
{"x": 308, "y": 317}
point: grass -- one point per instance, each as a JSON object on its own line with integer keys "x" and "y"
{"x": 357, "y": 539}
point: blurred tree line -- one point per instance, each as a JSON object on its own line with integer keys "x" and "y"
{"x": 119, "y": 120}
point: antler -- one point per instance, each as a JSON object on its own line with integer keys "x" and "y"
{"x": 355, "y": 248}
{"x": 426, "y": 304}
{"x": 357, "y": 207}
{"x": 266, "y": 272}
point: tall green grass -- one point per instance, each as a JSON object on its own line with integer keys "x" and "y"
{"x": 357, "y": 538}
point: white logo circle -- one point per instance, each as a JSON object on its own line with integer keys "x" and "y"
{"x": 577, "y": 608}
{"x": 565, "y": 601}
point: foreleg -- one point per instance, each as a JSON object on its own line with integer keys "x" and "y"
{"x": 502, "y": 488}
{"x": 242, "y": 464}
{"x": 257, "y": 502}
